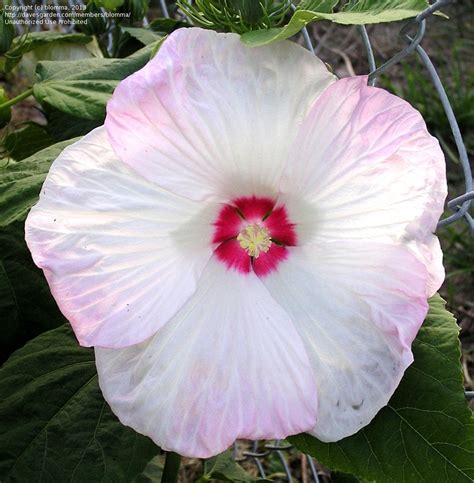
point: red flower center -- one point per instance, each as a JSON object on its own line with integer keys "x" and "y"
{"x": 253, "y": 233}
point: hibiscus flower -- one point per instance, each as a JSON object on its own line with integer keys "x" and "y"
{"x": 247, "y": 243}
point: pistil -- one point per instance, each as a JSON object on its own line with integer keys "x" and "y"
{"x": 255, "y": 239}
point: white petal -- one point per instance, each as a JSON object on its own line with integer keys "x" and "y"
{"x": 210, "y": 117}
{"x": 357, "y": 308}
{"x": 230, "y": 365}
{"x": 365, "y": 162}
{"x": 121, "y": 255}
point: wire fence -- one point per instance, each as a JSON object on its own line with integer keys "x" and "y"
{"x": 256, "y": 455}
{"x": 412, "y": 34}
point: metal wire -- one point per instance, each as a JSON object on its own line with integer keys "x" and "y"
{"x": 370, "y": 52}
{"x": 164, "y": 9}
{"x": 306, "y": 36}
{"x": 277, "y": 447}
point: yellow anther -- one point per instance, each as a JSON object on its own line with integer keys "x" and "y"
{"x": 255, "y": 239}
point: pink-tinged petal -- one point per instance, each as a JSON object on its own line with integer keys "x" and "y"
{"x": 230, "y": 365}
{"x": 120, "y": 254}
{"x": 280, "y": 227}
{"x": 253, "y": 208}
{"x": 269, "y": 261}
{"x": 357, "y": 307}
{"x": 429, "y": 250}
{"x": 228, "y": 224}
{"x": 365, "y": 161}
{"x": 233, "y": 256}
{"x": 208, "y": 117}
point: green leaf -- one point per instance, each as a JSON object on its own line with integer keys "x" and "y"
{"x": 31, "y": 41}
{"x": 143, "y": 35}
{"x": 82, "y": 88}
{"x": 426, "y": 433}
{"x": 109, "y": 4}
{"x": 345, "y": 478}
{"x": 26, "y": 141}
{"x": 355, "y": 12}
{"x": 223, "y": 467}
{"x": 9, "y": 309}
{"x": 323, "y": 6}
{"x": 62, "y": 126}
{"x": 27, "y": 307}
{"x": 55, "y": 425}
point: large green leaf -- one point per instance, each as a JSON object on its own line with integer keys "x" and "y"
{"x": 9, "y": 309}
{"x": 26, "y": 305}
{"x": 426, "y": 433}
{"x": 82, "y": 88}
{"x": 62, "y": 126}
{"x": 33, "y": 40}
{"x": 355, "y": 12}
{"x": 55, "y": 425}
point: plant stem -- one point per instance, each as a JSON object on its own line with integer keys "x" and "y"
{"x": 171, "y": 469}
{"x": 17, "y": 99}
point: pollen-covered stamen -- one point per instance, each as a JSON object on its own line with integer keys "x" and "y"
{"x": 255, "y": 239}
